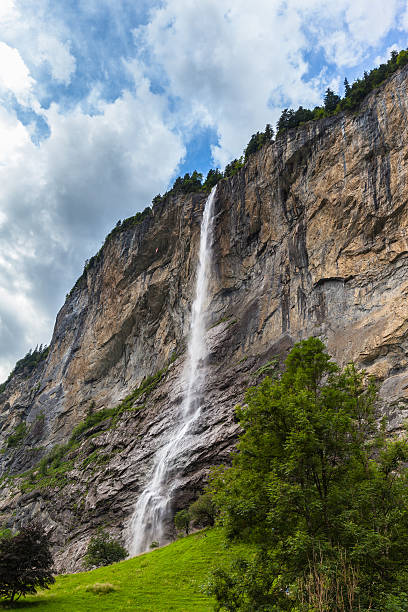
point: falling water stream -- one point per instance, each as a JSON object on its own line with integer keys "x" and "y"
{"x": 148, "y": 523}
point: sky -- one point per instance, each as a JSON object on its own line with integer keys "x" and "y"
{"x": 103, "y": 103}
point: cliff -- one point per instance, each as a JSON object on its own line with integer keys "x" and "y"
{"x": 310, "y": 238}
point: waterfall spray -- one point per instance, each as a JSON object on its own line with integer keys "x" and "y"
{"x": 153, "y": 506}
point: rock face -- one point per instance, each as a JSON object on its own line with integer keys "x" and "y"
{"x": 310, "y": 238}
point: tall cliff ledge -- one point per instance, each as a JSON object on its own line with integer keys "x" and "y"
{"x": 310, "y": 238}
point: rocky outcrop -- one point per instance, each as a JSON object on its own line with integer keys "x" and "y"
{"x": 310, "y": 238}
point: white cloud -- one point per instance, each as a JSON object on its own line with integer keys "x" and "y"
{"x": 382, "y": 59}
{"x": 7, "y": 10}
{"x": 14, "y": 74}
{"x": 57, "y": 55}
{"x": 40, "y": 38}
{"x": 404, "y": 17}
{"x": 229, "y": 66}
{"x": 62, "y": 197}
{"x": 233, "y": 66}
{"x": 226, "y": 62}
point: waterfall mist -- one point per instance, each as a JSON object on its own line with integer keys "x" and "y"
{"x": 153, "y": 505}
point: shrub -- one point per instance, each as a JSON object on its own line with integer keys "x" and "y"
{"x": 104, "y": 550}
{"x": 182, "y": 521}
{"x": 16, "y": 438}
{"x": 100, "y": 588}
{"x": 203, "y": 510}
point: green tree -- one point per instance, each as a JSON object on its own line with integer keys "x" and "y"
{"x": 25, "y": 562}
{"x": 203, "y": 510}
{"x": 182, "y": 521}
{"x": 104, "y": 550}
{"x": 318, "y": 490}
{"x": 331, "y": 101}
{"x": 213, "y": 176}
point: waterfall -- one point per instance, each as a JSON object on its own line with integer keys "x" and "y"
{"x": 153, "y": 506}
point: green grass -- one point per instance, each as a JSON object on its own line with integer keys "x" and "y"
{"x": 168, "y": 578}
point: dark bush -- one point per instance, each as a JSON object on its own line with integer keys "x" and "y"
{"x": 25, "y": 562}
{"x": 104, "y": 550}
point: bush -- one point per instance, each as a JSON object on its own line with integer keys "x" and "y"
{"x": 25, "y": 562}
{"x": 104, "y": 550}
{"x": 16, "y": 438}
{"x": 100, "y": 588}
{"x": 203, "y": 510}
{"x": 182, "y": 521}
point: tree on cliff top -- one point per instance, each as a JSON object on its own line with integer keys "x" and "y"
{"x": 319, "y": 491}
{"x": 25, "y": 562}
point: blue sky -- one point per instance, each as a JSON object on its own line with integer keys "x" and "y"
{"x": 104, "y": 102}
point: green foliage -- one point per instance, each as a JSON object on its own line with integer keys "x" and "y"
{"x": 182, "y": 521}
{"x": 402, "y": 59}
{"x": 203, "y": 511}
{"x": 104, "y": 550}
{"x": 212, "y": 179}
{"x": 25, "y": 563}
{"x": 318, "y": 489}
{"x": 16, "y": 438}
{"x": 188, "y": 184}
{"x": 5, "y": 533}
{"x": 257, "y": 141}
{"x": 267, "y": 368}
{"x": 100, "y": 588}
{"x": 52, "y": 468}
{"x": 353, "y": 95}
{"x": 233, "y": 167}
{"x": 27, "y": 364}
{"x": 91, "y": 421}
{"x": 331, "y": 101}
{"x": 291, "y": 118}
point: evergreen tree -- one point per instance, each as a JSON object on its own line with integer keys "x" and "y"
{"x": 331, "y": 101}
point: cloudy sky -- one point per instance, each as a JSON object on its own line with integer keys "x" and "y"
{"x": 103, "y": 103}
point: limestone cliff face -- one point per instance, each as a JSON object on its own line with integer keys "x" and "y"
{"x": 310, "y": 238}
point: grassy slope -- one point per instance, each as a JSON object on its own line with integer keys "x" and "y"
{"x": 165, "y": 579}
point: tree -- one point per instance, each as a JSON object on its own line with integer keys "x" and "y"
{"x": 203, "y": 510}
{"x": 268, "y": 132}
{"x": 347, "y": 87}
{"x": 318, "y": 490}
{"x": 104, "y": 550}
{"x": 25, "y": 562}
{"x": 182, "y": 521}
{"x": 212, "y": 179}
{"x": 331, "y": 101}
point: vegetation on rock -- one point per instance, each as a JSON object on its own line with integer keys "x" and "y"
{"x": 353, "y": 95}
{"x": 16, "y": 438}
{"x": 27, "y": 364}
{"x": 53, "y": 468}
